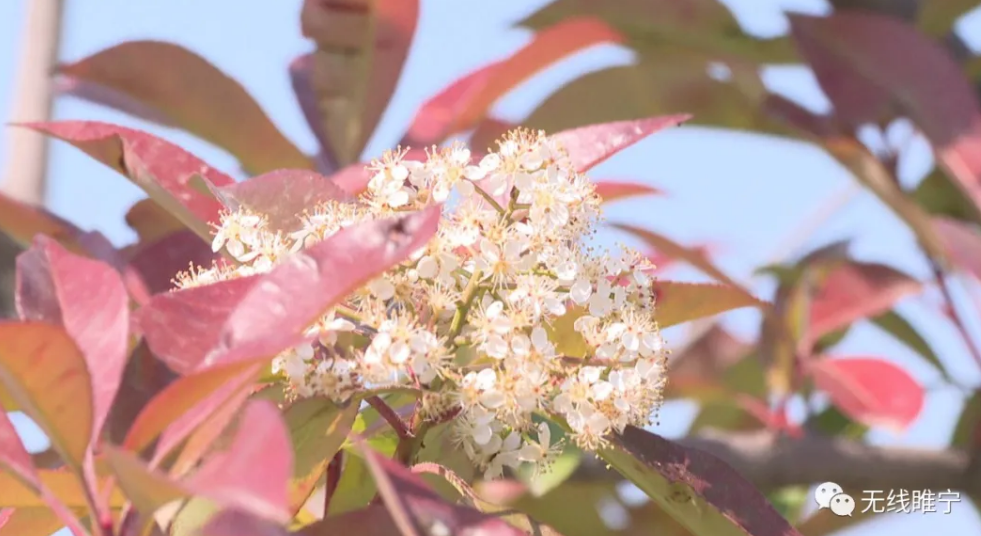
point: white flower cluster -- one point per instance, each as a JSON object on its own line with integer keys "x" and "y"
{"x": 471, "y": 319}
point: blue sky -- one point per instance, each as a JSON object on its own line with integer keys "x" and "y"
{"x": 743, "y": 193}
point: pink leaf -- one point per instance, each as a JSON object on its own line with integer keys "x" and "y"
{"x": 187, "y": 402}
{"x": 488, "y": 132}
{"x": 435, "y": 120}
{"x": 463, "y": 104}
{"x": 159, "y": 261}
{"x": 775, "y": 420}
{"x": 282, "y": 195}
{"x": 239, "y": 523}
{"x": 182, "y": 328}
{"x": 265, "y": 314}
{"x": 275, "y": 313}
{"x": 254, "y": 473}
{"x": 726, "y": 502}
{"x": 854, "y": 291}
{"x": 163, "y": 170}
{"x": 868, "y": 64}
{"x": 593, "y": 144}
{"x": 870, "y": 390}
{"x": 962, "y": 241}
{"x": 613, "y": 191}
{"x": 89, "y": 299}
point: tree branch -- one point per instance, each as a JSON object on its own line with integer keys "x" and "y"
{"x": 771, "y": 461}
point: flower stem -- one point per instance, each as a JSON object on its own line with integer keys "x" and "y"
{"x": 490, "y": 199}
{"x": 466, "y": 302}
{"x": 401, "y": 429}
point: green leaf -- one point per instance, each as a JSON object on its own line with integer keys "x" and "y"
{"x": 356, "y": 487}
{"x": 790, "y": 501}
{"x": 679, "y": 302}
{"x": 318, "y": 428}
{"x": 562, "y": 333}
{"x": 562, "y": 468}
{"x": 937, "y": 19}
{"x": 656, "y": 26}
{"x": 967, "y": 433}
{"x": 147, "y": 490}
{"x": 900, "y": 328}
{"x": 194, "y": 515}
{"x": 832, "y": 422}
{"x": 940, "y": 197}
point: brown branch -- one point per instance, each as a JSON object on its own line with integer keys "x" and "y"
{"x": 771, "y": 461}
{"x": 386, "y": 412}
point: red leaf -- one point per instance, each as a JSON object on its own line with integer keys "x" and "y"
{"x": 15, "y": 459}
{"x": 613, "y": 191}
{"x": 227, "y": 399}
{"x": 697, "y": 257}
{"x": 348, "y": 92}
{"x": 854, "y": 291}
{"x": 773, "y": 420}
{"x": 169, "y": 84}
{"x": 713, "y": 496}
{"x": 275, "y": 313}
{"x": 238, "y": 523}
{"x": 188, "y": 401}
{"x": 437, "y": 117}
{"x": 867, "y": 63}
{"x": 412, "y": 504}
{"x": 89, "y": 299}
{"x": 163, "y": 170}
{"x": 463, "y": 104}
{"x": 158, "y": 262}
{"x": 182, "y": 328}
{"x": 591, "y": 145}
{"x": 254, "y": 473}
{"x": 22, "y": 222}
{"x": 870, "y": 390}
{"x": 962, "y": 241}
{"x": 264, "y": 314}
{"x": 281, "y": 195}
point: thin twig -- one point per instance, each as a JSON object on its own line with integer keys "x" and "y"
{"x": 955, "y": 314}
{"x": 387, "y": 413}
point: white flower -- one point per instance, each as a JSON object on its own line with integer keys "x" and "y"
{"x": 465, "y": 318}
